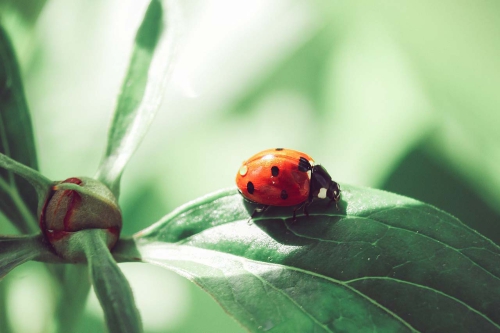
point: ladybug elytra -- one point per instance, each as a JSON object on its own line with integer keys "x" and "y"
{"x": 284, "y": 177}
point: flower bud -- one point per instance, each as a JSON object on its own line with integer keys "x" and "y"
{"x": 67, "y": 211}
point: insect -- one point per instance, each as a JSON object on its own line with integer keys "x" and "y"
{"x": 284, "y": 177}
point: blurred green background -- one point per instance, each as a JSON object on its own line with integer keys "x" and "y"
{"x": 399, "y": 96}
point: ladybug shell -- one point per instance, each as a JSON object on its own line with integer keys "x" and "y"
{"x": 276, "y": 177}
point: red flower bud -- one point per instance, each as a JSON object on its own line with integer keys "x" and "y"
{"x": 67, "y": 211}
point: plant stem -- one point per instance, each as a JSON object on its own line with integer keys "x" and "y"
{"x": 73, "y": 297}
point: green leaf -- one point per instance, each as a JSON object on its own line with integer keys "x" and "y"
{"x": 111, "y": 286}
{"x": 382, "y": 262}
{"x": 141, "y": 92}
{"x": 39, "y": 182}
{"x": 16, "y": 250}
{"x": 18, "y": 202}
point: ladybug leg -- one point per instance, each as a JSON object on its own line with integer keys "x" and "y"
{"x": 294, "y": 218}
{"x": 336, "y": 204}
{"x": 262, "y": 209}
{"x": 258, "y": 210}
{"x": 306, "y": 208}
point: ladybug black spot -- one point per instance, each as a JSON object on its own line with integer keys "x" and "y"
{"x": 250, "y": 187}
{"x": 284, "y": 195}
{"x": 304, "y": 164}
{"x": 275, "y": 171}
{"x": 279, "y": 149}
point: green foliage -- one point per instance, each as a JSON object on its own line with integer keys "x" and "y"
{"x": 34, "y": 178}
{"x": 137, "y": 105}
{"x": 140, "y": 96}
{"x": 380, "y": 262}
{"x": 18, "y": 201}
{"x": 16, "y": 250}
{"x": 110, "y": 285}
{"x": 72, "y": 293}
{"x": 364, "y": 86}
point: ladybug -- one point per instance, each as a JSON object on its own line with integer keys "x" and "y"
{"x": 284, "y": 177}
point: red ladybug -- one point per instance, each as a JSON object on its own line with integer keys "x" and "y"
{"x": 284, "y": 177}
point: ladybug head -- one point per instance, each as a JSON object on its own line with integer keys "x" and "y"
{"x": 322, "y": 186}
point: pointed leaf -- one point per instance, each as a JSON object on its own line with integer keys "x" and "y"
{"x": 16, "y": 141}
{"x": 141, "y": 93}
{"x": 382, "y": 262}
{"x": 16, "y": 250}
{"x": 111, "y": 286}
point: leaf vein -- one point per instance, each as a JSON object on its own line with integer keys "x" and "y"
{"x": 296, "y": 269}
{"x": 291, "y": 299}
{"x": 427, "y": 288}
{"x": 351, "y": 289}
{"x": 441, "y": 243}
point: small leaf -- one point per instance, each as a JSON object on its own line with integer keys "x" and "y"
{"x": 382, "y": 262}
{"x": 18, "y": 201}
{"x": 141, "y": 93}
{"x": 111, "y": 286}
{"x": 16, "y": 250}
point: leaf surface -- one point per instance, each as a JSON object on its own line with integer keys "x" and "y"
{"x": 16, "y": 250}
{"x": 141, "y": 93}
{"x": 111, "y": 286}
{"x": 18, "y": 200}
{"x": 381, "y": 262}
